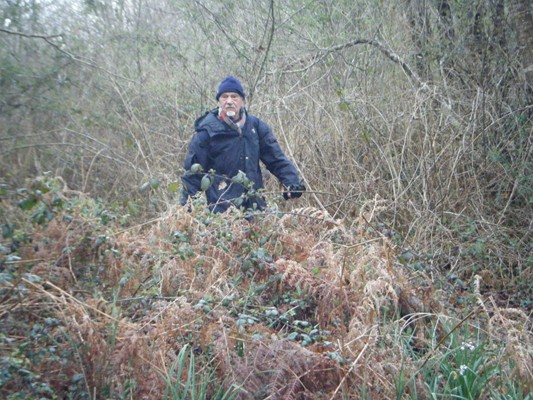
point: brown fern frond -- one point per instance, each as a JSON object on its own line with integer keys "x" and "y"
{"x": 278, "y": 369}
{"x": 514, "y": 328}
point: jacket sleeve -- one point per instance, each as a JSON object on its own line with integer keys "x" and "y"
{"x": 274, "y": 158}
{"x": 197, "y": 153}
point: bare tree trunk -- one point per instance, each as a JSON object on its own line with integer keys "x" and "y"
{"x": 446, "y": 19}
{"x": 522, "y": 22}
{"x": 420, "y": 32}
{"x": 479, "y": 39}
{"x": 498, "y": 19}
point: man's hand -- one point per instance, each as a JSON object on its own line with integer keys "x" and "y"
{"x": 293, "y": 191}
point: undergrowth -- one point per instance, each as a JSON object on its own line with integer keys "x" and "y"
{"x": 284, "y": 305}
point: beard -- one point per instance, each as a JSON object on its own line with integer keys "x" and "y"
{"x": 232, "y": 114}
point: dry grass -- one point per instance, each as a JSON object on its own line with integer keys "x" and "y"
{"x": 127, "y": 305}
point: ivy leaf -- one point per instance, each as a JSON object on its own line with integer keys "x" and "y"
{"x": 306, "y": 339}
{"x": 292, "y": 336}
{"x": 28, "y": 203}
{"x": 7, "y": 230}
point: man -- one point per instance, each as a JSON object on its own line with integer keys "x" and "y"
{"x": 230, "y": 143}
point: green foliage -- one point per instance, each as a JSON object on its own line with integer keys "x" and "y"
{"x": 36, "y": 205}
{"x": 197, "y": 385}
{"x": 255, "y": 261}
{"x": 465, "y": 371}
{"x": 43, "y": 197}
{"x": 459, "y": 368}
{"x": 20, "y": 374}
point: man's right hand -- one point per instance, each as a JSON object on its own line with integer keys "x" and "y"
{"x": 294, "y": 191}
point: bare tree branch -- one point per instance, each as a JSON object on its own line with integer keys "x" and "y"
{"x": 30, "y": 35}
{"x": 323, "y": 53}
{"x": 267, "y": 50}
{"x": 232, "y": 41}
{"x": 60, "y": 48}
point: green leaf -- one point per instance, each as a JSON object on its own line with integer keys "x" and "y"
{"x": 7, "y": 230}
{"x": 40, "y": 186}
{"x": 260, "y": 253}
{"x": 144, "y": 187}
{"x": 195, "y": 168}
{"x": 306, "y": 339}
{"x": 4, "y": 189}
{"x": 33, "y": 278}
{"x": 132, "y": 207}
{"x": 154, "y": 183}
{"x": 205, "y": 183}
{"x": 238, "y": 201}
{"x": 28, "y": 203}
{"x": 174, "y": 187}
{"x": 12, "y": 259}
{"x": 240, "y": 178}
{"x": 292, "y": 336}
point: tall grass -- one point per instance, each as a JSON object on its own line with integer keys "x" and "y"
{"x": 185, "y": 382}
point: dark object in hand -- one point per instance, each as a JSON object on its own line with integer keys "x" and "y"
{"x": 293, "y": 191}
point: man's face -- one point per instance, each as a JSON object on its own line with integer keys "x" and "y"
{"x": 231, "y": 103}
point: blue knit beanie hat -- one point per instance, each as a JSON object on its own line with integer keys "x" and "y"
{"x": 230, "y": 84}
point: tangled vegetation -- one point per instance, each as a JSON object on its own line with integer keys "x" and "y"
{"x": 404, "y": 272}
{"x": 288, "y": 305}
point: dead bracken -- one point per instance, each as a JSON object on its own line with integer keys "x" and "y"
{"x": 292, "y": 306}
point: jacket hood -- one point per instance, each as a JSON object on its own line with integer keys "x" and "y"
{"x": 204, "y": 118}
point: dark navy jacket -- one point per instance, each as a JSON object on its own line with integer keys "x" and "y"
{"x": 219, "y": 147}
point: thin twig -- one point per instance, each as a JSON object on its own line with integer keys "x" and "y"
{"x": 349, "y": 371}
